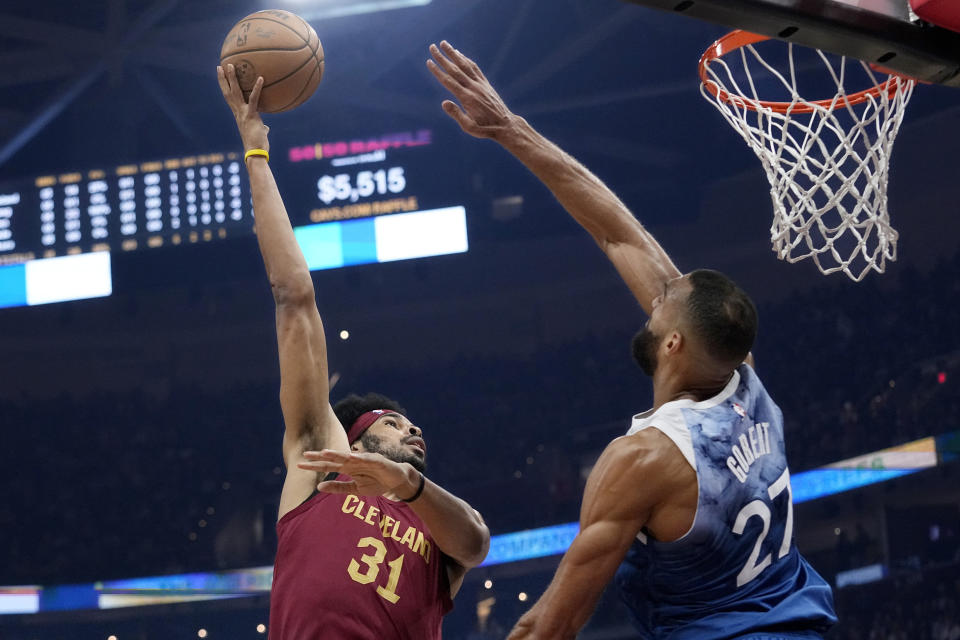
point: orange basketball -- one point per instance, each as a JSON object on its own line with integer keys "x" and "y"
{"x": 281, "y": 47}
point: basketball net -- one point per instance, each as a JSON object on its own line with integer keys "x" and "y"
{"x": 827, "y": 161}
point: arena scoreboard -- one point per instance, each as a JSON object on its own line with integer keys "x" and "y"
{"x": 379, "y": 198}
{"x": 125, "y": 208}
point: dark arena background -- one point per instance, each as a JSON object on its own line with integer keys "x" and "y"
{"x": 140, "y": 425}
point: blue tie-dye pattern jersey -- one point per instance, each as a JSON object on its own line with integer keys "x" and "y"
{"x": 736, "y": 571}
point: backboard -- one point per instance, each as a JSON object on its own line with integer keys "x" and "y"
{"x": 882, "y": 32}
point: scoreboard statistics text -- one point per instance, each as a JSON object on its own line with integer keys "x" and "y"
{"x": 125, "y": 208}
{"x": 352, "y": 201}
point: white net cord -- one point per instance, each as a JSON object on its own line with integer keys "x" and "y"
{"x": 827, "y": 163}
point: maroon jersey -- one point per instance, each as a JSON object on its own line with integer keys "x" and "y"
{"x": 356, "y": 568}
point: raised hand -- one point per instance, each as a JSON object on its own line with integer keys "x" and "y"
{"x": 482, "y": 112}
{"x": 253, "y": 132}
{"x": 372, "y": 474}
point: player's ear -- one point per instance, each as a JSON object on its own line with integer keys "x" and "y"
{"x": 673, "y": 342}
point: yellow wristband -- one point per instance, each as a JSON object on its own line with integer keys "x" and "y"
{"x": 256, "y": 152}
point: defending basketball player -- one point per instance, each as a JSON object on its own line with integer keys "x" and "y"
{"x": 375, "y": 550}
{"x": 691, "y": 510}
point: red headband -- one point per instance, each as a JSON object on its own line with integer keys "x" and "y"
{"x": 362, "y": 423}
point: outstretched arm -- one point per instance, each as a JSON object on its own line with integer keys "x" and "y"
{"x": 304, "y": 388}
{"x": 640, "y": 260}
{"x": 622, "y": 490}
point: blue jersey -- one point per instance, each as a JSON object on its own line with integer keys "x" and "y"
{"x": 736, "y": 571}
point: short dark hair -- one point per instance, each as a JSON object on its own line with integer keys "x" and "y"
{"x": 722, "y": 315}
{"x": 354, "y": 406}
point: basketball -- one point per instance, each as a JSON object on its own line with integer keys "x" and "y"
{"x": 281, "y": 47}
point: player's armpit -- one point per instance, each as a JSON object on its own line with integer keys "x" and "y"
{"x": 299, "y": 484}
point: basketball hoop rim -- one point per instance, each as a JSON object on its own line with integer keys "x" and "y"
{"x": 738, "y": 39}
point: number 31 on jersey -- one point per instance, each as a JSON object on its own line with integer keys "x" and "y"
{"x": 372, "y": 570}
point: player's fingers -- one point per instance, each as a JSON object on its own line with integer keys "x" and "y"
{"x": 327, "y": 454}
{"x": 222, "y": 81}
{"x": 255, "y": 93}
{"x": 465, "y": 64}
{"x": 231, "y": 75}
{"x": 453, "y": 110}
{"x": 466, "y": 122}
{"x": 336, "y": 486}
{"x": 319, "y": 467}
{"x": 362, "y": 464}
{"x": 448, "y": 65}
{"x": 367, "y": 457}
{"x": 477, "y": 71}
{"x": 452, "y": 85}
{"x": 438, "y": 64}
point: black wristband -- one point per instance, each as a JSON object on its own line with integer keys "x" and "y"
{"x": 419, "y": 490}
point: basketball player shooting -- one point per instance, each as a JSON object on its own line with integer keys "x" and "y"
{"x": 375, "y": 550}
{"x": 690, "y": 512}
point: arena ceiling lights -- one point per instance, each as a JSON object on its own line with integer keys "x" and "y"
{"x": 319, "y": 9}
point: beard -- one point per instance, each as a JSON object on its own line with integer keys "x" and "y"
{"x": 397, "y": 453}
{"x": 644, "y": 349}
